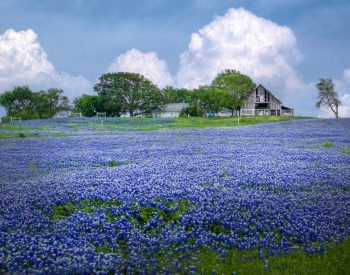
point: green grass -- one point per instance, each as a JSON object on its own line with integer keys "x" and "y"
{"x": 87, "y": 205}
{"x": 11, "y": 127}
{"x": 345, "y": 150}
{"x": 193, "y": 122}
{"x": 113, "y": 163}
{"x": 149, "y": 124}
{"x": 336, "y": 261}
{"x": 204, "y": 122}
{"x": 21, "y": 135}
{"x": 327, "y": 144}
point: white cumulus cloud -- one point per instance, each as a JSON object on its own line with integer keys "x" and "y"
{"x": 346, "y": 75}
{"x": 343, "y": 110}
{"x": 24, "y": 62}
{"x": 147, "y": 64}
{"x": 255, "y": 46}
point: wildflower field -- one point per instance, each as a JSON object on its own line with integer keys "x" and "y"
{"x": 187, "y": 201}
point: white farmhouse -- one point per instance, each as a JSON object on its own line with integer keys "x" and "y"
{"x": 170, "y": 110}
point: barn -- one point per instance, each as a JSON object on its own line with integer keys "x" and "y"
{"x": 262, "y": 102}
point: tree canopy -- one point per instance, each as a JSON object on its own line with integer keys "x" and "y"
{"x": 237, "y": 84}
{"x": 175, "y": 95}
{"x": 89, "y": 105}
{"x": 23, "y": 102}
{"x": 129, "y": 92}
{"x": 327, "y": 96}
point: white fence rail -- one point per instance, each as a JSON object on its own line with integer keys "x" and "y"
{"x": 76, "y": 115}
{"x": 15, "y": 118}
{"x": 255, "y": 112}
{"x": 287, "y": 112}
{"x": 265, "y": 112}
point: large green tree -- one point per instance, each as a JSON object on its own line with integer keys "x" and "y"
{"x": 50, "y": 102}
{"x": 25, "y": 103}
{"x": 174, "y": 95}
{"x": 237, "y": 84}
{"x": 130, "y": 92}
{"x": 327, "y": 96}
{"x": 209, "y": 99}
{"x": 88, "y": 105}
{"x": 20, "y": 99}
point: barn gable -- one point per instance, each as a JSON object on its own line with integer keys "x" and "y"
{"x": 262, "y": 102}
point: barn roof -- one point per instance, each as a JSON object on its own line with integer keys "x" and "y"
{"x": 267, "y": 91}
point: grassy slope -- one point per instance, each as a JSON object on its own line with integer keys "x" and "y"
{"x": 336, "y": 261}
{"x": 199, "y": 122}
{"x": 20, "y": 135}
{"x": 192, "y": 122}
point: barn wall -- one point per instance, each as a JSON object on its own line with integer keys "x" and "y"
{"x": 249, "y": 103}
{"x": 274, "y": 103}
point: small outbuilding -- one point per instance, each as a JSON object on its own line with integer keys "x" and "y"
{"x": 170, "y": 110}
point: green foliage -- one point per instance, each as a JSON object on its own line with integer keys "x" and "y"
{"x": 88, "y": 105}
{"x": 20, "y": 135}
{"x": 174, "y": 95}
{"x": 17, "y": 100}
{"x": 63, "y": 211}
{"x": 32, "y": 167}
{"x": 336, "y": 260}
{"x": 129, "y": 92}
{"x": 22, "y": 102}
{"x": 236, "y": 85}
{"x": 209, "y": 99}
{"x": 327, "y": 96}
{"x": 87, "y": 205}
{"x": 50, "y": 102}
{"x": 327, "y": 144}
{"x": 345, "y": 150}
{"x": 113, "y": 163}
{"x": 170, "y": 215}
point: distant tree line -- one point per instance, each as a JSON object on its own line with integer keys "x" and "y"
{"x": 123, "y": 92}
{"x": 132, "y": 93}
{"x": 23, "y": 102}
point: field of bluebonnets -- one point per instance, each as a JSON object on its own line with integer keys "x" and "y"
{"x": 155, "y": 201}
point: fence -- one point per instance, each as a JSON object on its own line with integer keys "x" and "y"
{"x": 76, "y": 115}
{"x": 101, "y": 114}
{"x": 255, "y": 112}
{"x": 15, "y": 118}
{"x": 265, "y": 112}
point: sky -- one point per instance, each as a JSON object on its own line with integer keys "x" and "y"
{"x": 285, "y": 45}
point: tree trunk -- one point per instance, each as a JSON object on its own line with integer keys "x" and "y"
{"x": 131, "y": 112}
{"x": 336, "y": 111}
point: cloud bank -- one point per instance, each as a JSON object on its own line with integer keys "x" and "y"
{"x": 147, "y": 64}
{"x": 239, "y": 40}
{"x": 24, "y": 62}
{"x": 243, "y": 41}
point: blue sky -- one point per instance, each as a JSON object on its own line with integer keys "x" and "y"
{"x": 85, "y": 38}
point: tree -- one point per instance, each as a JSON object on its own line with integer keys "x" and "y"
{"x": 237, "y": 84}
{"x": 174, "y": 95}
{"x": 327, "y": 96}
{"x": 209, "y": 99}
{"x": 88, "y": 105}
{"x": 17, "y": 100}
{"x": 50, "y": 102}
{"x": 21, "y": 101}
{"x": 129, "y": 92}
